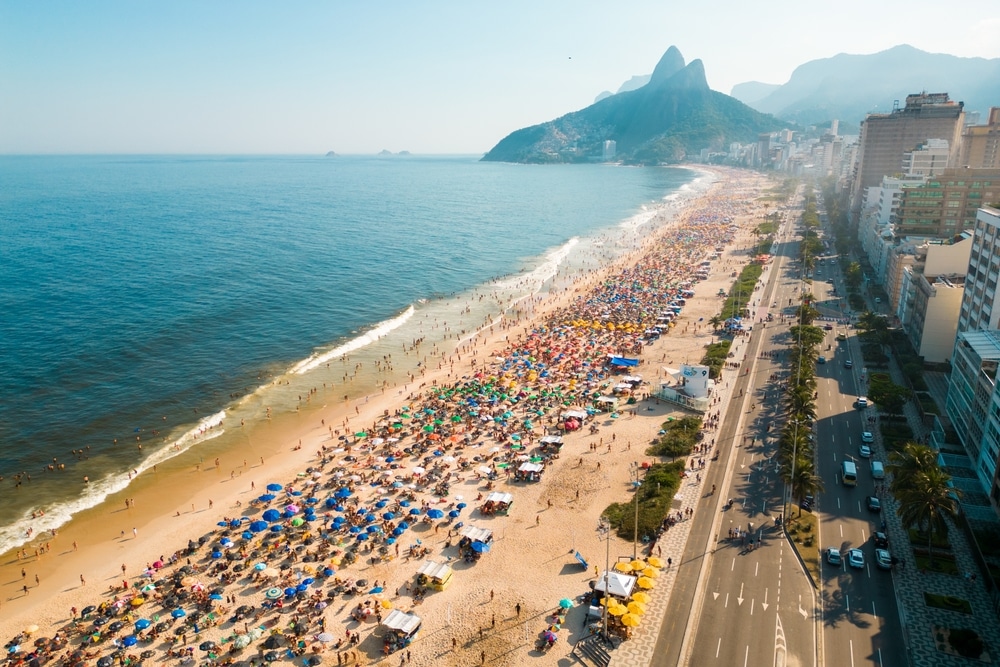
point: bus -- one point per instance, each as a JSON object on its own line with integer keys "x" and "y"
{"x": 849, "y": 473}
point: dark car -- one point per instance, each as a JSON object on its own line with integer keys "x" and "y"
{"x": 828, "y": 327}
{"x": 874, "y": 504}
{"x": 880, "y": 539}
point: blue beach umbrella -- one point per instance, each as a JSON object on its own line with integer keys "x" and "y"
{"x": 369, "y": 518}
{"x": 143, "y": 623}
{"x": 380, "y": 504}
{"x": 391, "y": 540}
{"x": 274, "y": 487}
{"x": 308, "y": 580}
{"x": 235, "y": 523}
{"x": 414, "y": 511}
{"x": 397, "y": 531}
{"x": 248, "y": 534}
{"x": 435, "y": 513}
{"x": 271, "y": 515}
{"x": 454, "y": 514}
{"x": 129, "y": 640}
{"x": 266, "y": 497}
{"x": 260, "y": 567}
{"x": 328, "y": 572}
{"x": 361, "y": 537}
{"x": 343, "y": 492}
{"x": 178, "y": 613}
{"x": 289, "y": 592}
{"x": 404, "y": 503}
{"x": 461, "y": 506}
{"x": 480, "y": 547}
{"x": 388, "y": 516}
{"x": 403, "y": 525}
{"x": 354, "y": 530}
{"x": 277, "y": 528}
{"x": 371, "y": 529}
{"x": 330, "y": 503}
{"x": 216, "y": 554}
{"x": 258, "y": 526}
{"x": 214, "y": 596}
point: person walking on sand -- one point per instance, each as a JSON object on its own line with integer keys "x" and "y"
{"x": 83, "y": 582}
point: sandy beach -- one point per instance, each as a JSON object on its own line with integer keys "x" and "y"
{"x": 495, "y": 608}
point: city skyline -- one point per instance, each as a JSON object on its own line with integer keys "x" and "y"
{"x": 441, "y": 78}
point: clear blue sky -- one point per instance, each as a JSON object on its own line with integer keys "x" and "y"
{"x": 429, "y": 77}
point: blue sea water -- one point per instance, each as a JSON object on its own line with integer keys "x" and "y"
{"x": 139, "y": 295}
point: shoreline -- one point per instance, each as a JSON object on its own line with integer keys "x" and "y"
{"x": 172, "y": 504}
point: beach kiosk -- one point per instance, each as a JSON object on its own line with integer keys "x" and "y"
{"x": 551, "y": 442}
{"x": 402, "y": 630}
{"x": 608, "y": 403}
{"x": 496, "y": 503}
{"x": 529, "y": 472}
{"x": 474, "y": 543}
{"x": 435, "y": 575}
{"x": 619, "y": 587}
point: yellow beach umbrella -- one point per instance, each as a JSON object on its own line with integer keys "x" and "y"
{"x": 645, "y": 582}
{"x": 622, "y": 566}
{"x": 630, "y": 620}
{"x": 636, "y": 608}
{"x": 137, "y": 601}
{"x": 386, "y": 604}
{"x": 650, "y": 572}
{"x": 617, "y": 609}
{"x": 30, "y": 629}
{"x": 638, "y": 564}
{"x": 641, "y": 598}
{"x": 655, "y": 562}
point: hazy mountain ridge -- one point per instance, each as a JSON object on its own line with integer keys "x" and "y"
{"x": 847, "y": 86}
{"x": 675, "y": 113}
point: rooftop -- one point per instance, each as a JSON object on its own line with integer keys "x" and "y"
{"x": 986, "y": 343}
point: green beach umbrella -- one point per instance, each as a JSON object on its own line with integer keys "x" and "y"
{"x": 360, "y": 434}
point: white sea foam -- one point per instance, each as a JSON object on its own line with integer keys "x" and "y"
{"x": 15, "y": 534}
{"x": 367, "y": 338}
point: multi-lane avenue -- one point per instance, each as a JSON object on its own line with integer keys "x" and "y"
{"x": 737, "y": 605}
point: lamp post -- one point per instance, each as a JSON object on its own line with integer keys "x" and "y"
{"x": 605, "y": 528}
{"x": 634, "y": 469}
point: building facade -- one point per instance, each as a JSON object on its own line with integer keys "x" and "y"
{"x": 946, "y": 204}
{"x": 981, "y": 143}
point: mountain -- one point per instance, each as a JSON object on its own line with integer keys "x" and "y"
{"x": 847, "y": 86}
{"x": 674, "y": 114}
{"x": 753, "y": 91}
{"x": 637, "y": 81}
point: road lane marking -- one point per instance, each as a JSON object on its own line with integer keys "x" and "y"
{"x": 847, "y": 601}
{"x": 752, "y": 602}
{"x": 756, "y": 568}
{"x": 838, "y": 503}
{"x": 874, "y": 613}
{"x": 851, "y": 642}
{"x": 726, "y": 603}
{"x": 841, "y": 530}
{"x": 717, "y": 647}
{"x": 733, "y": 567}
{"x": 764, "y": 603}
{"x": 740, "y": 598}
{"x": 746, "y": 656}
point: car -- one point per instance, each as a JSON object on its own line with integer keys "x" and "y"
{"x": 829, "y": 281}
{"x": 883, "y": 559}
{"x": 865, "y": 451}
{"x": 867, "y": 436}
{"x": 878, "y": 299}
{"x": 828, "y": 327}
{"x": 841, "y": 337}
{"x": 874, "y": 504}
{"x": 861, "y": 403}
{"x": 880, "y": 539}
{"x": 833, "y": 556}
{"x": 821, "y": 360}
{"x": 848, "y": 364}
{"x": 856, "y": 558}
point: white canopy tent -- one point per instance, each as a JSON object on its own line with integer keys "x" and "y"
{"x": 500, "y": 497}
{"x": 405, "y": 623}
{"x": 435, "y": 570}
{"x": 618, "y": 585}
{"x": 477, "y": 534}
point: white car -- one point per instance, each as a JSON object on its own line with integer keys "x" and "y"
{"x": 883, "y": 559}
{"x": 856, "y": 558}
{"x": 867, "y": 436}
{"x": 833, "y": 556}
{"x": 862, "y": 403}
{"x": 865, "y": 451}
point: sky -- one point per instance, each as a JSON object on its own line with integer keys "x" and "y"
{"x": 427, "y": 77}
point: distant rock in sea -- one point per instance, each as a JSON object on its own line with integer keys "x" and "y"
{"x": 331, "y": 154}
{"x": 403, "y": 153}
{"x": 385, "y": 152}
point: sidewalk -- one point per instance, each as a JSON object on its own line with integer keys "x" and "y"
{"x": 917, "y": 619}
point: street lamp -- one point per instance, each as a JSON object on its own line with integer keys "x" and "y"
{"x": 604, "y": 528}
{"x": 634, "y": 470}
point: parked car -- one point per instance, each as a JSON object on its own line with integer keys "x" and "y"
{"x": 867, "y": 436}
{"x": 874, "y": 504}
{"x": 883, "y": 559}
{"x": 856, "y": 558}
{"x": 833, "y": 556}
{"x": 880, "y": 539}
{"x": 865, "y": 451}
{"x": 861, "y": 403}
{"x": 821, "y": 360}
{"x": 848, "y": 364}
{"x": 828, "y": 327}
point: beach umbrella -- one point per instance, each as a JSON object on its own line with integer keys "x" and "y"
{"x": 216, "y": 554}
{"x": 360, "y": 434}
{"x": 129, "y": 641}
{"x": 631, "y": 620}
{"x": 178, "y": 613}
{"x": 549, "y": 636}
{"x": 461, "y": 506}
{"x": 343, "y": 492}
{"x": 362, "y": 537}
{"x": 143, "y": 623}
{"x": 274, "y": 487}
{"x": 454, "y": 513}
{"x": 260, "y": 567}
{"x": 226, "y": 542}
{"x": 566, "y": 603}
{"x": 369, "y": 518}
{"x": 640, "y": 597}
{"x": 137, "y": 601}
{"x": 354, "y": 530}
{"x": 258, "y": 526}
{"x": 480, "y": 547}
{"x": 638, "y": 564}
{"x": 645, "y": 582}
{"x": 435, "y": 513}
{"x": 371, "y": 529}
{"x": 419, "y": 470}
{"x": 277, "y": 528}
{"x": 247, "y": 535}
{"x": 403, "y": 525}
{"x": 298, "y": 521}
{"x": 266, "y": 497}
{"x": 397, "y": 531}
{"x": 241, "y": 641}
{"x": 273, "y": 593}
{"x": 382, "y": 503}
{"x": 116, "y": 626}
{"x": 208, "y": 646}
{"x": 289, "y": 592}
{"x": 622, "y": 566}
{"x": 650, "y": 572}
{"x": 388, "y": 516}
{"x": 293, "y": 508}
{"x": 636, "y": 608}
{"x": 616, "y": 608}
{"x": 106, "y": 661}
{"x": 271, "y": 515}
{"x": 214, "y": 596}
{"x": 655, "y": 562}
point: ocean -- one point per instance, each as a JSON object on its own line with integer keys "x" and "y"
{"x": 151, "y": 304}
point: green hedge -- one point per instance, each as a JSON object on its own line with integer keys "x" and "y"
{"x": 655, "y": 496}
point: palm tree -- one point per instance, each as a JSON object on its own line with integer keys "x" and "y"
{"x": 802, "y": 478}
{"x": 926, "y": 497}
{"x": 716, "y": 321}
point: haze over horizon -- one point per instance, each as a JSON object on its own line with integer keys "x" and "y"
{"x": 446, "y": 77}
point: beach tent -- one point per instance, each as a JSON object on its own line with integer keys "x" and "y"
{"x": 574, "y": 414}
{"x": 437, "y": 575}
{"x": 530, "y": 472}
{"x": 623, "y": 361}
{"x": 527, "y": 467}
{"x": 500, "y": 497}
{"x": 618, "y": 585}
{"x": 609, "y": 401}
{"x": 477, "y": 534}
{"x": 555, "y": 440}
{"x": 406, "y": 624}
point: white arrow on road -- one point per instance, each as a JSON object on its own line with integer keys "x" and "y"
{"x": 740, "y": 598}
{"x": 801, "y": 610}
{"x": 764, "y": 603}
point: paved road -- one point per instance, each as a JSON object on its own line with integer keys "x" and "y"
{"x": 754, "y": 607}
{"x": 860, "y": 614}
